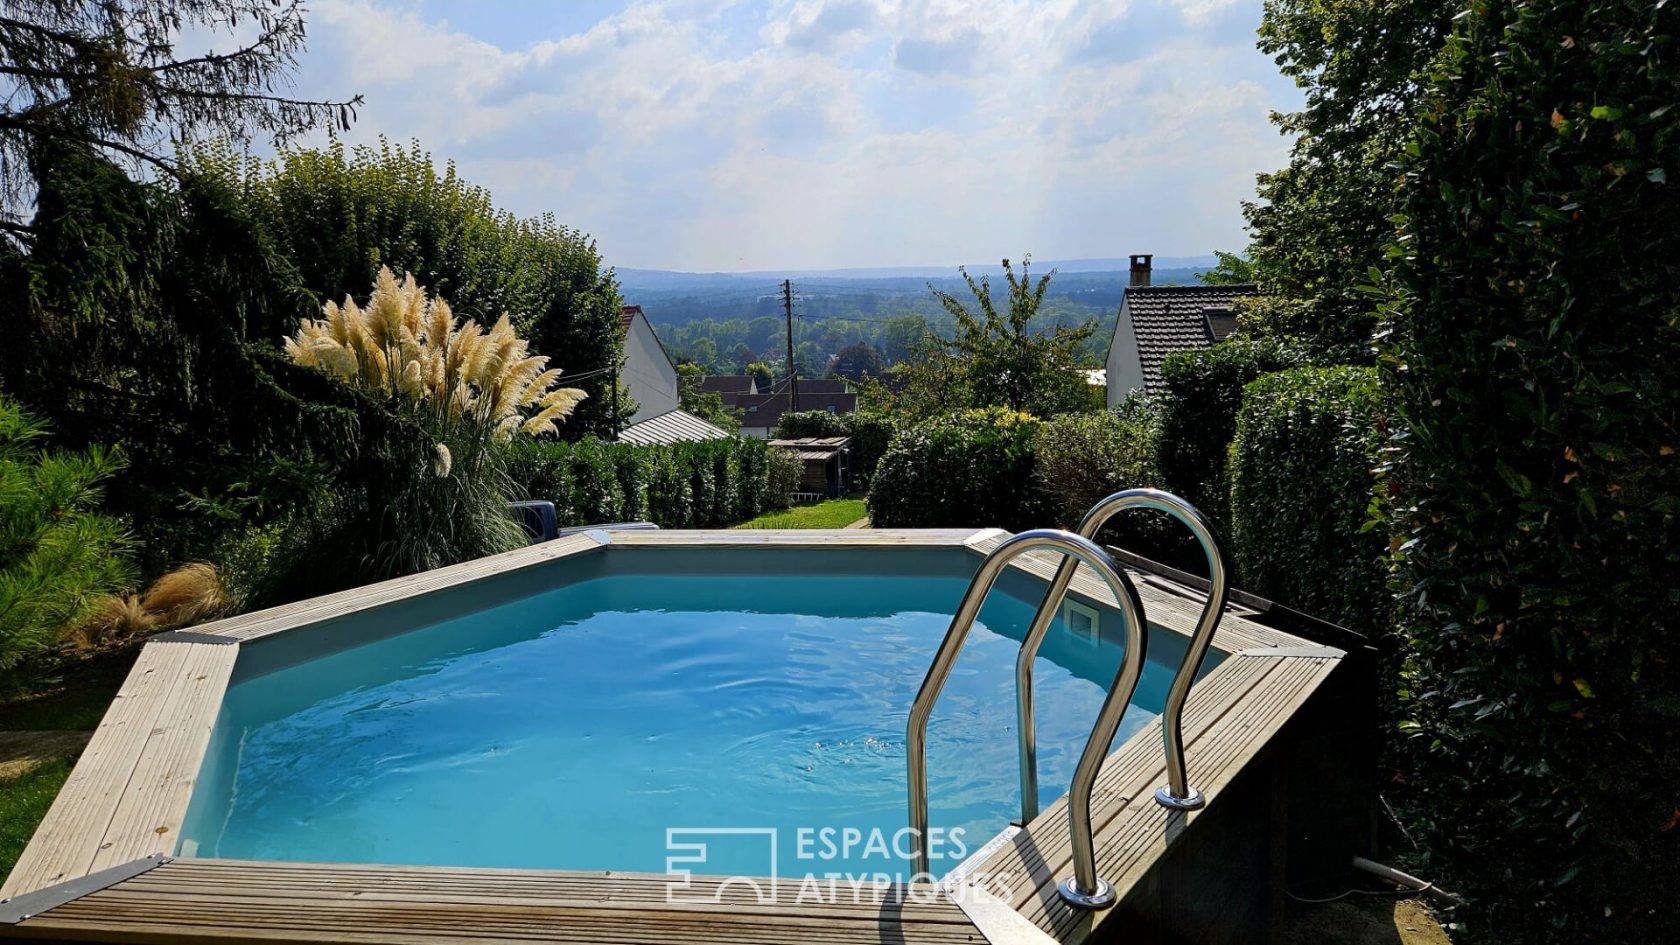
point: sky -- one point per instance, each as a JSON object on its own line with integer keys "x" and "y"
{"x": 730, "y": 135}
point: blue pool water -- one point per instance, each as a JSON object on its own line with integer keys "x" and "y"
{"x": 574, "y": 728}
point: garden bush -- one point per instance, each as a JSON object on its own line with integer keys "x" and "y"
{"x": 1534, "y": 363}
{"x": 1086, "y": 457}
{"x": 1202, "y": 392}
{"x": 59, "y": 557}
{"x": 870, "y": 431}
{"x": 973, "y": 467}
{"x": 1302, "y": 473}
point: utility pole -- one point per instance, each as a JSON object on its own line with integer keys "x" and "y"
{"x": 793, "y": 372}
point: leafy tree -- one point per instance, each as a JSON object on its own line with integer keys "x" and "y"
{"x": 1534, "y": 361}
{"x": 104, "y": 74}
{"x": 994, "y": 359}
{"x": 1233, "y": 269}
{"x": 762, "y": 375}
{"x": 59, "y": 557}
{"x": 339, "y": 214}
{"x": 900, "y": 334}
{"x": 1323, "y": 221}
{"x": 857, "y": 361}
{"x": 703, "y": 404}
{"x": 148, "y": 315}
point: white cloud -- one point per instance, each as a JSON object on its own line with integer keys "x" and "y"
{"x": 708, "y": 134}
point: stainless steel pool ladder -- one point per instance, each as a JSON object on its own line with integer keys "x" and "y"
{"x": 1084, "y": 889}
{"x": 1178, "y": 794}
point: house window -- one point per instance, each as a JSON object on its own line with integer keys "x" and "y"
{"x": 752, "y": 408}
{"x": 830, "y": 408}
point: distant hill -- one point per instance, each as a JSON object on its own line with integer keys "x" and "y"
{"x": 724, "y": 320}
{"x": 644, "y": 284}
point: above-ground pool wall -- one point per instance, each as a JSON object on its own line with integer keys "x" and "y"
{"x": 1298, "y": 812}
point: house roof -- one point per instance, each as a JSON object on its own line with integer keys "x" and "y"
{"x": 728, "y": 383}
{"x": 628, "y": 313}
{"x": 672, "y": 426}
{"x": 1170, "y": 318}
{"x": 765, "y": 410}
{"x": 815, "y": 447}
{"x": 819, "y": 385}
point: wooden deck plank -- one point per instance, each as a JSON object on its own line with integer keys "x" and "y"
{"x": 828, "y": 537}
{"x": 148, "y": 817}
{"x": 231, "y": 900}
{"x": 1131, "y": 830}
{"x": 1168, "y": 604}
{"x": 1039, "y": 855}
{"x": 157, "y": 726}
{"x": 261, "y": 623}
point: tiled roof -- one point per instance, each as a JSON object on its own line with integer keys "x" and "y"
{"x": 627, "y": 314}
{"x": 1171, "y": 318}
{"x": 672, "y": 426}
{"x": 727, "y": 383}
{"x": 820, "y": 385}
{"x": 765, "y": 410}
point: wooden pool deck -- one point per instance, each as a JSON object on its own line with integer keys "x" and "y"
{"x": 127, "y": 798}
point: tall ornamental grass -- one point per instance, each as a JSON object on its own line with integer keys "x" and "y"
{"x": 436, "y": 484}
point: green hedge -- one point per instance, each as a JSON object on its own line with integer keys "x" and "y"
{"x": 871, "y": 433}
{"x": 1534, "y": 361}
{"x": 1302, "y": 473}
{"x": 1203, "y": 391}
{"x": 973, "y": 467}
{"x": 710, "y": 484}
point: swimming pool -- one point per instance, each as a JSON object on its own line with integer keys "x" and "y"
{"x": 333, "y": 769}
{"x": 601, "y": 723}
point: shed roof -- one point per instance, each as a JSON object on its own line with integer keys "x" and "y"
{"x": 672, "y": 426}
{"x": 815, "y": 447}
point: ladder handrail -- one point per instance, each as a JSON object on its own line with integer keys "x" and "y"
{"x": 1087, "y": 889}
{"x": 1178, "y": 793}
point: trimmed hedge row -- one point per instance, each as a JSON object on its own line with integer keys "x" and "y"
{"x": 1203, "y": 392}
{"x": 711, "y": 484}
{"x": 1302, "y": 473}
{"x": 871, "y": 433}
{"x": 1534, "y": 363}
{"x": 973, "y": 467}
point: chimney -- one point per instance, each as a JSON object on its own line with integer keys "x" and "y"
{"x": 1140, "y": 268}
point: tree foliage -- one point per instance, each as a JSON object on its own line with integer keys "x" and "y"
{"x": 105, "y": 74}
{"x": 1535, "y": 364}
{"x": 706, "y": 405}
{"x": 340, "y": 214}
{"x": 993, "y": 358}
{"x": 59, "y": 555}
{"x": 857, "y": 361}
{"x": 1323, "y": 221}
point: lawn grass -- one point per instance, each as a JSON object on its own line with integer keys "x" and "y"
{"x": 23, "y": 803}
{"x": 835, "y": 513}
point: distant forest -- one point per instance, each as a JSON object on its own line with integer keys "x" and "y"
{"x": 724, "y": 323}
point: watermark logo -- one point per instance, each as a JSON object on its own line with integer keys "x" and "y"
{"x": 690, "y": 847}
{"x": 826, "y": 864}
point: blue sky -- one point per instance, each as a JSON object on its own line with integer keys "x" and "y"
{"x": 802, "y": 134}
